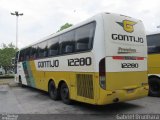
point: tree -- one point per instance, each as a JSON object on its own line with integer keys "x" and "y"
{"x": 7, "y": 52}
{"x": 67, "y": 25}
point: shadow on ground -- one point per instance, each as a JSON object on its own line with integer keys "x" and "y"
{"x": 90, "y": 109}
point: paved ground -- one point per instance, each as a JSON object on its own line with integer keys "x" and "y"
{"x": 14, "y": 99}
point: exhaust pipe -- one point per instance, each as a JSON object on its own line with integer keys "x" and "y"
{"x": 115, "y": 100}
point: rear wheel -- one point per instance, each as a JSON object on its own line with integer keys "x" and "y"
{"x": 65, "y": 93}
{"x": 53, "y": 92}
{"x": 154, "y": 87}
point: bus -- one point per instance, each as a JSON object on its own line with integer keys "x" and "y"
{"x": 153, "y": 41}
{"x": 99, "y": 61}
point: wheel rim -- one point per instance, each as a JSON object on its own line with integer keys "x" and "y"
{"x": 64, "y": 92}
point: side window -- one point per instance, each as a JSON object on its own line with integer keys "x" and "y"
{"x": 27, "y": 53}
{"x": 84, "y": 37}
{"x": 53, "y": 46}
{"x": 42, "y": 49}
{"x": 22, "y": 55}
{"x": 33, "y": 54}
{"x": 67, "y": 42}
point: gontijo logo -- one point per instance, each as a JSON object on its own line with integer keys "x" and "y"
{"x": 127, "y": 25}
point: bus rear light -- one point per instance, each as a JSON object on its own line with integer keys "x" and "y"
{"x": 102, "y": 74}
{"x": 140, "y": 58}
{"x": 127, "y": 58}
{"x": 118, "y": 57}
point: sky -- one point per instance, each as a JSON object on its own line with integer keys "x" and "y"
{"x": 44, "y": 17}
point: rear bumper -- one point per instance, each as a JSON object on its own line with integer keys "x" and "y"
{"x": 108, "y": 97}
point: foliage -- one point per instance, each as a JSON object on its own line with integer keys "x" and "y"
{"x": 7, "y": 52}
{"x": 67, "y": 25}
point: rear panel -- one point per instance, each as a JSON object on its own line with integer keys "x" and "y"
{"x": 126, "y": 52}
{"x": 125, "y": 36}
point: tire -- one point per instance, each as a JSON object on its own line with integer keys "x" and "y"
{"x": 64, "y": 92}
{"x": 154, "y": 87}
{"x": 53, "y": 92}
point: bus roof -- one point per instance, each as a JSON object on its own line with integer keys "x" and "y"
{"x": 153, "y": 33}
{"x": 93, "y": 18}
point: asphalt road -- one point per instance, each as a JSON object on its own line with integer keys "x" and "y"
{"x": 17, "y": 100}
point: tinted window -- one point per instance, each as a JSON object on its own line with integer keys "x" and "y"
{"x": 67, "y": 42}
{"x": 153, "y": 43}
{"x": 80, "y": 39}
{"x": 27, "y": 53}
{"x": 33, "y": 54}
{"x": 84, "y": 37}
{"x": 21, "y": 57}
{"x": 53, "y": 46}
{"x": 42, "y": 49}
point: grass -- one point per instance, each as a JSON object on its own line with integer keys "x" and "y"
{"x": 9, "y": 81}
{"x": 6, "y": 76}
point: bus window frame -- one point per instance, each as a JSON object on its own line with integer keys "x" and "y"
{"x": 59, "y": 55}
{"x": 154, "y": 47}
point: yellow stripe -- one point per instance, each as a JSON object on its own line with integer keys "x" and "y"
{"x": 115, "y": 82}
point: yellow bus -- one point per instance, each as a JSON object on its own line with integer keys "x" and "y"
{"x": 100, "y": 61}
{"x": 153, "y": 41}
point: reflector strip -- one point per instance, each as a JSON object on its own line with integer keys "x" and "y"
{"x": 118, "y": 57}
{"x": 140, "y": 58}
{"x": 127, "y": 58}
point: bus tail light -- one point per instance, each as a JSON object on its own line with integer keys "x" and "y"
{"x": 127, "y": 58}
{"x": 102, "y": 73}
